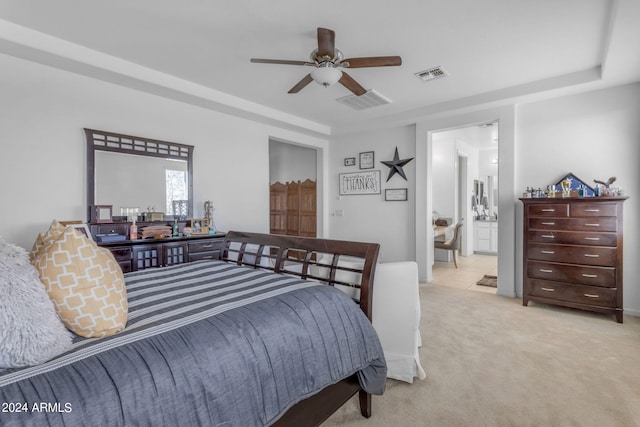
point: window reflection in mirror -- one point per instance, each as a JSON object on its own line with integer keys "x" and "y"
{"x": 130, "y": 181}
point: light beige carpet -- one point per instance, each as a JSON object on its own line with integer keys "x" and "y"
{"x": 492, "y": 362}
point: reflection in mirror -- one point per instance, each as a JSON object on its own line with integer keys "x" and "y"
{"x": 136, "y": 174}
{"x": 131, "y": 182}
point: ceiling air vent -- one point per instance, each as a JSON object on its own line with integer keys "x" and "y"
{"x": 432, "y": 74}
{"x": 368, "y": 100}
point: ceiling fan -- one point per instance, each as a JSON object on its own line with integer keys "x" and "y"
{"x": 329, "y": 62}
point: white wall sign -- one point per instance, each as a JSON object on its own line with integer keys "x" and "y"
{"x": 360, "y": 183}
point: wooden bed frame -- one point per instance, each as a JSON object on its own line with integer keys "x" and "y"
{"x": 306, "y": 258}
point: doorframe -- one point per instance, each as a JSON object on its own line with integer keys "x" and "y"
{"x": 508, "y": 283}
{"x": 321, "y": 146}
{"x": 462, "y": 201}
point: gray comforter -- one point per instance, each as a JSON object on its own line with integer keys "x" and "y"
{"x": 206, "y": 344}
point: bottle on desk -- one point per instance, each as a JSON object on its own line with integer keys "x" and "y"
{"x": 133, "y": 231}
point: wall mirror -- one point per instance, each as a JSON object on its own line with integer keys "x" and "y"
{"x": 132, "y": 174}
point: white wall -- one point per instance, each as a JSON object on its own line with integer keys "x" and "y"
{"x": 444, "y": 175}
{"x": 594, "y": 135}
{"x": 288, "y": 162}
{"x": 43, "y": 150}
{"x": 370, "y": 218}
{"x": 487, "y": 168}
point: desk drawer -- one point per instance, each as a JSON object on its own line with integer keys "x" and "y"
{"x": 590, "y": 295}
{"x": 593, "y": 255}
{"x": 594, "y": 276}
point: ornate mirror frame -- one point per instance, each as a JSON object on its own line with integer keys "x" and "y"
{"x": 98, "y": 140}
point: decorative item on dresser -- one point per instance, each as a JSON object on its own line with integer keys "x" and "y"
{"x": 572, "y": 253}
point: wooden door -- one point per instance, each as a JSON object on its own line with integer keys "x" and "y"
{"x": 307, "y": 209}
{"x": 278, "y": 208}
{"x": 293, "y": 208}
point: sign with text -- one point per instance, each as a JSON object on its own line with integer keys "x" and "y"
{"x": 360, "y": 183}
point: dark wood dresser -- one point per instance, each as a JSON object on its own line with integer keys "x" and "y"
{"x": 134, "y": 255}
{"x": 572, "y": 250}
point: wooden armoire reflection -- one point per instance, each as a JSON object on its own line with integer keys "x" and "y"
{"x": 293, "y": 208}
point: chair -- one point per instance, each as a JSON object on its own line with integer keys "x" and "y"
{"x": 452, "y": 244}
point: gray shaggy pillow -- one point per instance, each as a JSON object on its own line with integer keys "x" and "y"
{"x": 30, "y": 330}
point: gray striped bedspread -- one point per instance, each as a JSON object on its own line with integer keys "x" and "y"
{"x": 206, "y": 344}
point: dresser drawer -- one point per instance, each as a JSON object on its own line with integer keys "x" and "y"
{"x": 548, "y": 209}
{"x": 592, "y": 209}
{"x": 205, "y": 246}
{"x": 574, "y": 238}
{"x": 198, "y": 256}
{"x": 595, "y": 276}
{"x": 122, "y": 228}
{"x": 608, "y": 224}
{"x": 590, "y": 295}
{"x": 601, "y": 256}
{"x": 121, "y": 253}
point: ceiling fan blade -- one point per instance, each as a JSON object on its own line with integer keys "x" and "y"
{"x": 301, "y": 84}
{"x": 280, "y": 61}
{"x": 347, "y": 81}
{"x": 326, "y": 42}
{"x": 373, "y": 61}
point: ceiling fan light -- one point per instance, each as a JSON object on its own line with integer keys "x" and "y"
{"x": 326, "y": 76}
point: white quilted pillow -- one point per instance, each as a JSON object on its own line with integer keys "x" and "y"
{"x": 30, "y": 330}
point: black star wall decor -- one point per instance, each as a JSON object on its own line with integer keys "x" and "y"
{"x": 395, "y": 165}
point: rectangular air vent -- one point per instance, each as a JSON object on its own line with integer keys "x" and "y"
{"x": 432, "y": 74}
{"x": 368, "y": 100}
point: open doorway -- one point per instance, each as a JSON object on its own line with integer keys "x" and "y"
{"x": 465, "y": 176}
{"x": 293, "y": 189}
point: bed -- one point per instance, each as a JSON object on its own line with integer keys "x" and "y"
{"x": 256, "y": 338}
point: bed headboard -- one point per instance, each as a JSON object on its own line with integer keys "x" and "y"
{"x": 334, "y": 262}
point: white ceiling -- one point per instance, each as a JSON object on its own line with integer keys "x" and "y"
{"x": 198, "y": 51}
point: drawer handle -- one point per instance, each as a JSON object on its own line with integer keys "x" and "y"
{"x": 591, "y": 296}
{"x": 548, "y": 252}
{"x": 592, "y": 255}
{"x": 548, "y": 210}
{"x": 592, "y": 238}
{"x": 548, "y": 289}
{"x": 546, "y": 271}
{"x": 592, "y": 225}
{"x": 592, "y": 276}
{"x": 548, "y": 223}
{"x": 592, "y": 210}
{"x": 548, "y": 236}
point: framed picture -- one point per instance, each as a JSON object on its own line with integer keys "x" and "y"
{"x": 354, "y": 183}
{"x": 83, "y": 228}
{"x": 102, "y": 213}
{"x": 350, "y": 161}
{"x": 575, "y": 184}
{"x": 396, "y": 194}
{"x": 200, "y": 226}
{"x": 367, "y": 160}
